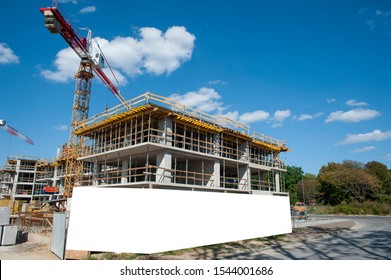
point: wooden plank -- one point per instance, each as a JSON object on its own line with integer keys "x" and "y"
{"x": 76, "y": 255}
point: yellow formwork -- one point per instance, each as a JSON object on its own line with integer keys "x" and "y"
{"x": 197, "y": 123}
{"x": 189, "y": 120}
{"x": 270, "y": 146}
{"x": 114, "y": 119}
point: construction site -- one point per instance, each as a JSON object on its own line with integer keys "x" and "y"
{"x": 150, "y": 159}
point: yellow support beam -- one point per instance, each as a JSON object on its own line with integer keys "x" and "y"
{"x": 114, "y": 119}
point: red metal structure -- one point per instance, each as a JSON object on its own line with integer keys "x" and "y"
{"x": 14, "y": 132}
{"x": 91, "y": 61}
{"x": 56, "y": 23}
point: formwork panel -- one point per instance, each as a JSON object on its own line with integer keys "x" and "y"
{"x": 9, "y": 235}
{"x": 155, "y": 220}
{"x": 57, "y": 244}
{"x": 4, "y": 216}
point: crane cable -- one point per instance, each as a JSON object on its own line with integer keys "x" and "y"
{"x": 108, "y": 64}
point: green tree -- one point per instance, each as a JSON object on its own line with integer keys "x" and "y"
{"x": 292, "y": 177}
{"x": 309, "y": 185}
{"x": 381, "y": 172}
{"x": 346, "y": 182}
{"x": 329, "y": 190}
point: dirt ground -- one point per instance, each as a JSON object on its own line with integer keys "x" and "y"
{"x": 37, "y": 246}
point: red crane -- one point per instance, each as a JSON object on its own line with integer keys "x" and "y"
{"x": 56, "y": 23}
{"x": 91, "y": 61}
{"x": 14, "y": 132}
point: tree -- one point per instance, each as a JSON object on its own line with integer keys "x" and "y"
{"x": 329, "y": 190}
{"x": 292, "y": 177}
{"x": 381, "y": 172}
{"x": 310, "y": 186}
{"x": 346, "y": 182}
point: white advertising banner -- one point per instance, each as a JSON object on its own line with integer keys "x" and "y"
{"x": 156, "y": 220}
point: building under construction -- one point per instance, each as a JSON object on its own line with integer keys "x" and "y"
{"x": 154, "y": 161}
{"x": 155, "y": 151}
{"x": 159, "y": 143}
{"x": 27, "y": 178}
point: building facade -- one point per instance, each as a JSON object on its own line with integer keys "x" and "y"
{"x": 28, "y": 178}
{"x": 159, "y": 143}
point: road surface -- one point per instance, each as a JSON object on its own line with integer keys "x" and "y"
{"x": 368, "y": 239}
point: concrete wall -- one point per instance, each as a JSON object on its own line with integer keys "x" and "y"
{"x": 154, "y": 220}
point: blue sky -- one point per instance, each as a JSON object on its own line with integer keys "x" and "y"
{"x": 314, "y": 73}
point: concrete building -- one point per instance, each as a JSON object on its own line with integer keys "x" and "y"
{"x": 156, "y": 176}
{"x": 160, "y": 143}
{"x": 27, "y": 178}
{"x": 160, "y": 176}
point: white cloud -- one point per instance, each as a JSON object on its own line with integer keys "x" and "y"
{"x": 382, "y": 13}
{"x": 217, "y": 82}
{"x": 88, "y": 9}
{"x": 61, "y": 127}
{"x": 7, "y": 55}
{"x": 376, "y": 135}
{"x": 355, "y": 103}
{"x": 255, "y": 116}
{"x": 231, "y": 115}
{"x": 388, "y": 156}
{"x": 355, "y": 115}
{"x": 153, "y": 52}
{"x": 204, "y": 99}
{"x": 331, "y": 100}
{"x": 67, "y": 1}
{"x": 164, "y": 53}
{"x": 304, "y": 117}
{"x": 67, "y": 63}
{"x": 208, "y": 100}
{"x": 279, "y": 117}
{"x": 371, "y": 24}
{"x": 363, "y": 150}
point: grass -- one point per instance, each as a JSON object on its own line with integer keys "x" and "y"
{"x": 353, "y": 208}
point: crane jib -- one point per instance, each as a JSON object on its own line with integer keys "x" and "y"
{"x": 56, "y": 24}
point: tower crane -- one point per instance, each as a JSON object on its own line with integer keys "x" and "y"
{"x": 14, "y": 132}
{"x": 55, "y": 23}
{"x": 91, "y": 61}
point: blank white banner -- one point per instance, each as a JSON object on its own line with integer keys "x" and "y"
{"x": 153, "y": 220}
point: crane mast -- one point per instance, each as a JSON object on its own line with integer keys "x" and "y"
{"x": 91, "y": 62}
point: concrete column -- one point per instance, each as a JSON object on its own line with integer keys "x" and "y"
{"x": 216, "y": 173}
{"x": 55, "y": 174}
{"x": 95, "y": 172}
{"x": 212, "y": 173}
{"x": 277, "y": 179}
{"x": 17, "y": 169}
{"x": 216, "y": 144}
{"x": 124, "y": 171}
{"x": 165, "y": 131}
{"x": 244, "y": 151}
{"x": 244, "y": 177}
{"x": 163, "y": 161}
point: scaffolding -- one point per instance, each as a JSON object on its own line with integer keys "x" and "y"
{"x": 155, "y": 141}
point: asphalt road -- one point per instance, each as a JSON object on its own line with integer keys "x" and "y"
{"x": 368, "y": 239}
